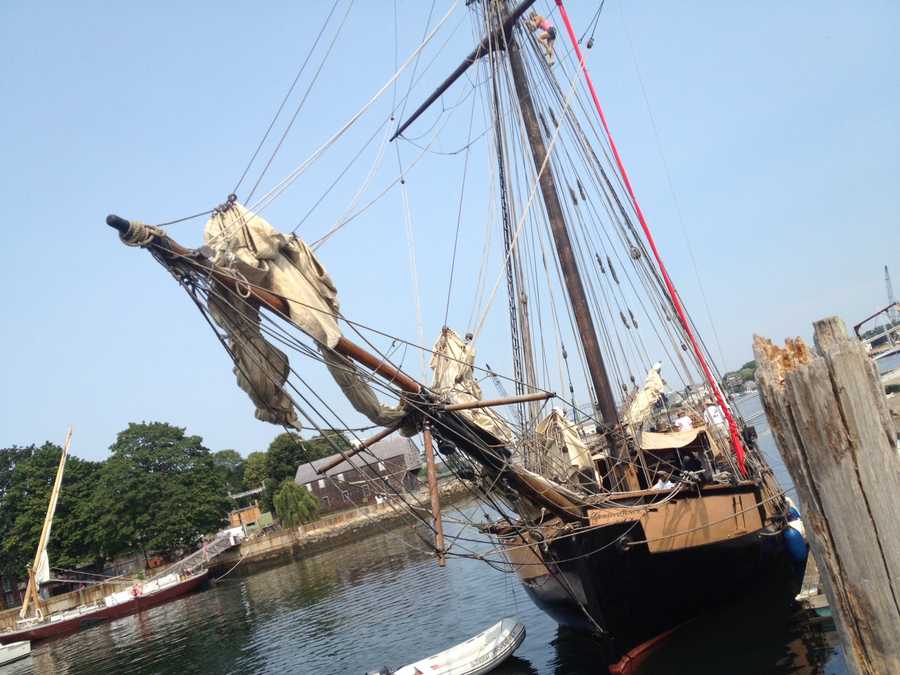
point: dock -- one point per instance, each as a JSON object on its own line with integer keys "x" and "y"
{"x": 832, "y": 423}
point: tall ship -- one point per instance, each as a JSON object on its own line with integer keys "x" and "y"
{"x": 626, "y": 492}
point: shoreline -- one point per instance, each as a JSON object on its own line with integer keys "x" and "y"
{"x": 325, "y": 534}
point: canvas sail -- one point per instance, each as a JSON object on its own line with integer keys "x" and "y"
{"x": 560, "y": 439}
{"x": 42, "y": 573}
{"x": 251, "y": 249}
{"x": 453, "y": 362}
{"x": 645, "y": 398}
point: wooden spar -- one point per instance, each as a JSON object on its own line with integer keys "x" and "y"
{"x": 495, "y": 40}
{"x": 829, "y": 417}
{"x": 568, "y": 264}
{"x": 435, "y": 493}
{"x": 31, "y": 590}
{"x": 345, "y": 456}
{"x": 278, "y": 305}
{"x": 377, "y": 365}
{"x": 509, "y": 400}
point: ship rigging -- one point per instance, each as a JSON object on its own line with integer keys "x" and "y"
{"x": 573, "y": 490}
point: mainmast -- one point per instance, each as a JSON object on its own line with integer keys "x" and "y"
{"x": 503, "y": 37}
{"x": 569, "y": 266}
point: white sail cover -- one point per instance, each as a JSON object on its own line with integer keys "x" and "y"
{"x": 646, "y": 397}
{"x": 452, "y": 361}
{"x": 250, "y": 248}
{"x": 42, "y": 573}
{"x": 243, "y": 241}
{"x": 560, "y": 438}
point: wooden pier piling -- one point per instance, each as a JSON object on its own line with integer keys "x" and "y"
{"x": 829, "y": 417}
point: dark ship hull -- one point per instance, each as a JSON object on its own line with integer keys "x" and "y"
{"x": 608, "y": 582}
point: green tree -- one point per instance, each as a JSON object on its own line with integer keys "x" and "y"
{"x": 288, "y": 451}
{"x": 26, "y": 480}
{"x": 255, "y": 470}
{"x": 230, "y": 465}
{"x": 294, "y": 504}
{"x": 159, "y": 490}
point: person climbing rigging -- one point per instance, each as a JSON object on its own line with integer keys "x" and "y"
{"x": 547, "y": 37}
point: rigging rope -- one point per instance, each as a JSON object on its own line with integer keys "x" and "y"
{"x": 285, "y": 99}
{"x": 293, "y": 175}
{"x": 736, "y": 441}
{"x": 302, "y": 101}
{"x": 462, "y": 192}
{"x": 675, "y": 201}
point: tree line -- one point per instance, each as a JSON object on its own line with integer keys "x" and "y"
{"x": 160, "y": 490}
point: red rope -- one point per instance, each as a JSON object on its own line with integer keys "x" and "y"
{"x": 736, "y": 442}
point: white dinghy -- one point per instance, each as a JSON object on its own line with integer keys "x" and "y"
{"x": 477, "y": 655}
{"x": 14, "y": 651}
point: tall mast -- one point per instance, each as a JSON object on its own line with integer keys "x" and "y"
{"x": 571, "y": 277}
{"x": 31, "y": 589}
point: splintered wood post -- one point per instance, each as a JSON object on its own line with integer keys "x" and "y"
{"x": 829, "y": 417}
{"x": 435, "y": 494}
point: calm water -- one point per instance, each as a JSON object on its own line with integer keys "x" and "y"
{"x": 382, "y": 602}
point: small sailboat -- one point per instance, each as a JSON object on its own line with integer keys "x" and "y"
{"x": 36, "y": 624}
{"x": 479, "y": 654}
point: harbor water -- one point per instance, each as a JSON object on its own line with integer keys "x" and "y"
{"x": 383, "y": 601}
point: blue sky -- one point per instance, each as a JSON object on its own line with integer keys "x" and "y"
{"x": 778, "y": 123}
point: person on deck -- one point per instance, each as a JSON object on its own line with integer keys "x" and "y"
{"x": 548, "y": 37}
{"x": 713, "y": 415}
{"x": 663, "y": 482}
{"x": 684, "y": 422}
{"x": 690, "y": 462}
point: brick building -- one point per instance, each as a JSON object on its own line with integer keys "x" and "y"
{"x": 395, "y": 460}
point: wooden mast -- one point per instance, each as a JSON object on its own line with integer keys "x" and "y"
{"x": 569, "y": 266}
{"x": 606, "y": 403}
{"x": 31, "y": 590}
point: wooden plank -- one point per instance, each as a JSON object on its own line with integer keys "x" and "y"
{"x": 614, "y": 514}
{"x": 687, "y": 523}
{"x": 830, "y": 420}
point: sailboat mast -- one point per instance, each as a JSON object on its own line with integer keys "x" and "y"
{"x": 31, "y": 590}
{"x": 569, "y": 266}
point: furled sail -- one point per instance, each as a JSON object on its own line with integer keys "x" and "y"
{"x": 453, "y": 362}
{"x": 251, "y": 249}
{"x": 645, "y": 398}
{"x": 244, "y": 242}
{"x": 42, "y": 573}
{"x": 560, "y": 440}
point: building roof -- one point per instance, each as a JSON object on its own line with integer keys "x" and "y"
{"x": 248, "y": 493}
{"x": 389, "y": 447}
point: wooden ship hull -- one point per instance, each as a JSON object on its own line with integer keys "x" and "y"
{"x": 629, "y": 581}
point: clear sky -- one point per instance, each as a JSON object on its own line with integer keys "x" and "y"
{"x": 778, "y": 122}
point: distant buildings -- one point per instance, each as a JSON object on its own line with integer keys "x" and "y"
{"x": 11, "y": 595}
{"x": 394, "y": 460}
{"x": 248, "y": 515}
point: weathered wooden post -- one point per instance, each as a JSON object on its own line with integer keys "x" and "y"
{"x": 828, "y": 414}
